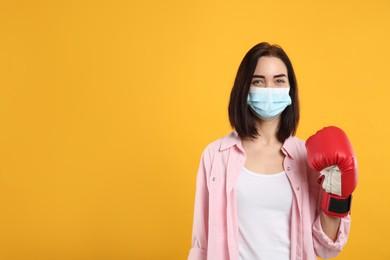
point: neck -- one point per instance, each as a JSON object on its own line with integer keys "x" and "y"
{"x": 267, "y": 130}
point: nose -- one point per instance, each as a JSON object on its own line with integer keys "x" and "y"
{"x": 269, "y": 84}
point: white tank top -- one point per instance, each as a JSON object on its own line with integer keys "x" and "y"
{"x": 264, "y": 209}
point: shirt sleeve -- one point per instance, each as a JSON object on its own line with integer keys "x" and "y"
{"x": 323, "y": 245}
{"x": 198, "y": 249}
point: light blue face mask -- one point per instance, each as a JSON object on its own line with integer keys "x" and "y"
{"x": 268, "y": 103}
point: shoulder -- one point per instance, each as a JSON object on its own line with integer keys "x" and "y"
{"x": 295, "y": 147}
{"x": 296, "y": 140}
{"x": 223, "y": 143}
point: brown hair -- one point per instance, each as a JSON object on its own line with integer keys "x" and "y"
{"x": 241, "y": 116}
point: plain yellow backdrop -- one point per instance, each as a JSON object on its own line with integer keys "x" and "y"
{"x": 106, "y": 106}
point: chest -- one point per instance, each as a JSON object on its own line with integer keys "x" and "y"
{"x": 265, "y": 160}
{"x": 263, "y": 194}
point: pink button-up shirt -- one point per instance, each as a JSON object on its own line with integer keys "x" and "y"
{"x": 215, "y": 226}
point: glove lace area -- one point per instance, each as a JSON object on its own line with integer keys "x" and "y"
{"x": 331, "y": 179}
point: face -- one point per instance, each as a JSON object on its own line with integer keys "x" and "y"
{"x": 270, "y": 72}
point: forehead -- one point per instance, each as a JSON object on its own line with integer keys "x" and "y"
{"x": 267, "y": 65}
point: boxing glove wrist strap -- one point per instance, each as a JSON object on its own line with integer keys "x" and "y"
{"x": 340, "y": 206}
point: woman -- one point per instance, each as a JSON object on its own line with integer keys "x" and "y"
{"x": 256, "y": 197}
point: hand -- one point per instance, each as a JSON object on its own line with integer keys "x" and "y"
{"x": 330, "y": 152}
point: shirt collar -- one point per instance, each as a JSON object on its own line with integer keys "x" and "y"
{"x": 231, "y": 140}
{"x": 289, "y": 146}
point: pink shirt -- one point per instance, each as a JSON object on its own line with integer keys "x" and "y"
{"x": 215, "y": 226}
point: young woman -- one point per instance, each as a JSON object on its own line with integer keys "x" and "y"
{"x": 256, "y": 198}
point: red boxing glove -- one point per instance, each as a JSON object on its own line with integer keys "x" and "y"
{"x": 330, "y": 152}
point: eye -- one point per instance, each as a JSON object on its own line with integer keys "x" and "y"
{"x": 280, "y": 81}
{"x": 257, "y": 82}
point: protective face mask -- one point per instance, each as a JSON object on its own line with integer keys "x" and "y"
{"x": 268, "y": 103}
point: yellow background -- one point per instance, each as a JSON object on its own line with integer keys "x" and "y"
{"x": 106, "y": 106}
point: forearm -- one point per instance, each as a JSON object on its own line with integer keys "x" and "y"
{"x": 330, "y": 226}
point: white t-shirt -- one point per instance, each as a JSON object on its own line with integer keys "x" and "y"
{"x": 264, "y": 209}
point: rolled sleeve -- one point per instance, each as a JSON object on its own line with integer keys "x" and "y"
{"x": 198, "y": 249}
{"x": 326, "y": 247}
{"x": 197, "y": 254}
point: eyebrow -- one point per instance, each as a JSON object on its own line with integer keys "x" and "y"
{"x": 276, "y": 76}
